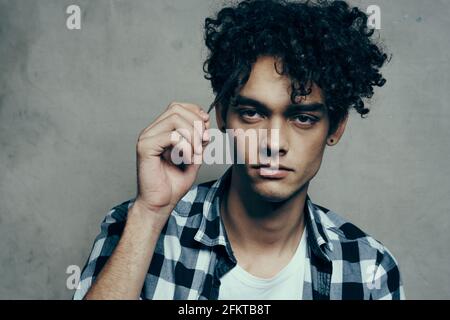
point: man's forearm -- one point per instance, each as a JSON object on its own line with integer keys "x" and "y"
{"x": 124, "y": 274}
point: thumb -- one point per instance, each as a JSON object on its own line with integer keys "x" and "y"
{"x": 197, "y": 162}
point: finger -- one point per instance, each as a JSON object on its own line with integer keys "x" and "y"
{"x": 196, "y": 109}
{"x": 182, "y": 152}
{"x": 199, "y": 123}
{"x": 178, "y": 107}
{"x": 157, "y": 145}
{"x": 176, "y": 122}
{"x": 189, "y": 112}
{"x": 206, "y": 137}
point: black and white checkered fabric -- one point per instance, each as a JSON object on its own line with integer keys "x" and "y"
{"x": 193, "y": 253}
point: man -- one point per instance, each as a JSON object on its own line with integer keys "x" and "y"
{"x": 292, "y": 67}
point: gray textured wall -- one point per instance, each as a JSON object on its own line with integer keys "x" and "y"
{"x": 73, "y": 102}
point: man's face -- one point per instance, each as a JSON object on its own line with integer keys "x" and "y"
{"x": 265, "y": 103}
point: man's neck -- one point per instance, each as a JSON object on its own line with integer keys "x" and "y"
{"x": 256, "y": 225}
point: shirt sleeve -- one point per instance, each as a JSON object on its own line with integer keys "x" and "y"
{"x": 106, "y": 241}
{"x": 388, "y": 284}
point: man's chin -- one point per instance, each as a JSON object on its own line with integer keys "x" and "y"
{"x": 272, "y": 193}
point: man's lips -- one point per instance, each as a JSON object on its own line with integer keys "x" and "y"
{"x": 279, "y": 167}
{"x": 275, "y": 172}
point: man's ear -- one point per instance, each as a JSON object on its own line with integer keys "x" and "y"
{"x": 334, "y": 138}
{"x": 220, "y": 121}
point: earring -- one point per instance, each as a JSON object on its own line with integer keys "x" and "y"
{"x": 331, "y": 141}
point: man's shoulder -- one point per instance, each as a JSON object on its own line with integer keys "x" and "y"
{"x": 340, "y": 231}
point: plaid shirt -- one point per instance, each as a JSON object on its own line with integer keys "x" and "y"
{"x": 193, "y": 253}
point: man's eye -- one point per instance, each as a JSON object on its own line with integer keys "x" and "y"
{"x": 249, "y": 114}
{"x": 304, "y": 119}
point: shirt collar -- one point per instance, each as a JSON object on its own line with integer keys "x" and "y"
{"x": 212, "y": 232}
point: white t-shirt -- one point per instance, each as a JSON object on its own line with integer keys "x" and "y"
{"x": 238, "y": 284}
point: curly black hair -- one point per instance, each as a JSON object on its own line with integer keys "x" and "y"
{"x": 324, "y": 42}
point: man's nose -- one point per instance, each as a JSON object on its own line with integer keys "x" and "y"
{"x": 275, "y": 142}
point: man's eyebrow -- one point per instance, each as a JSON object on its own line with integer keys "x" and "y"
{"x": 305, "y": 107}
{"x": 241, "y": 100}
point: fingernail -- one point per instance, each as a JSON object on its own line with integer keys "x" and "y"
{"x": 204, "y": 115}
